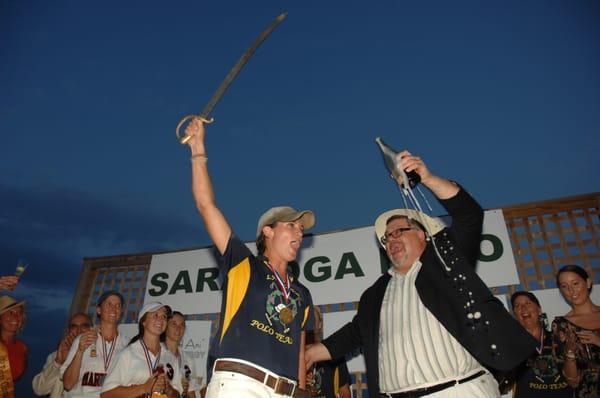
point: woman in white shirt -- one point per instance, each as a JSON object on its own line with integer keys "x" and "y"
{"x": 145, "y": 367}
{"x": 172, "y": 338}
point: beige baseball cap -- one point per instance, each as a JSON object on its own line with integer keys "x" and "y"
{"x": 432, "y": 226}
{"x": 285, "y": 213}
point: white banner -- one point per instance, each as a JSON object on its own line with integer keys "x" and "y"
{"x": 336, "y": 267}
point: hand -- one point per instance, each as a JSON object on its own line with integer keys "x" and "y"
{"x": 196, "y": 130}
{"x": 8, "y": 282}
{"x": 589, "y": 337}
{"x": 408, "y": 163}
{"x": 63, "y": 348}
{"x": 147, "y": 386}
{"x": 87, "y": 339}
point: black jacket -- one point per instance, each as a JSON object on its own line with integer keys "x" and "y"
{"x": 495, "y": 338}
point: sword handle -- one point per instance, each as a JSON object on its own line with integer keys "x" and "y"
{"x": 184, "y": 138}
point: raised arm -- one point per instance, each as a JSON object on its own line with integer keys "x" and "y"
{"x": 467, "y": 214}
{"x": 215, "y": 222}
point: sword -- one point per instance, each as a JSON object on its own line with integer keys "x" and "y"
{"x": 205, "y": 114}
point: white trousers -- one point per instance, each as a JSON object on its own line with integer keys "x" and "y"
{"x": 224, "y": 384}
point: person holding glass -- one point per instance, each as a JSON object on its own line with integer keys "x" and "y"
{"x": 576, "y": 336}
{"x": 145, "y": 368}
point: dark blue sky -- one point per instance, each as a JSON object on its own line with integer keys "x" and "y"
{"x": 503, "y": 97}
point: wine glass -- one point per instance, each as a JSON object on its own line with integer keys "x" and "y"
{"x": 21, "y": 267}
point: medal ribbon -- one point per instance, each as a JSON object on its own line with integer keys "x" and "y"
{"x": 539, "y": 350}
{"x": 108, "y": 358}
{"x": 284, "y": 287}
{"x": 151, "y": 366}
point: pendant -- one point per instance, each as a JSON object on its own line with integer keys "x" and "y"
{"x": 286, "y": 315}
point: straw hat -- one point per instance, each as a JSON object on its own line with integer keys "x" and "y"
{"x": 8, "y": 302}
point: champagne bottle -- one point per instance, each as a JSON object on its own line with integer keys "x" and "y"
{"x": 389, "y": 158}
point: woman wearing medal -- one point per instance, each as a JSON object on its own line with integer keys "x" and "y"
{"x": 540, "y": 375}
{"x": 93, "y": 352}
{"x": 259, "y": 347}
{"x": 146, "y": 367}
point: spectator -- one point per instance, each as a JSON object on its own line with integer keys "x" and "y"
{"x": 92, "y": 353}
{"x": 172, "y": 338}
{"x": 48, "y": 382}
{"x": 539, "y": 375}
{"x": 12, "y": 321}
{"x": 576, "y": 336}
{"x": 145, "y": 367}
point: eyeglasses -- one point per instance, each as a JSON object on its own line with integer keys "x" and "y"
{"x": 394, "y": 234}
{"x": 80, "y": 326}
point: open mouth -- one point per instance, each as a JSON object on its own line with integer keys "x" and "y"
{"x": 525, "y": 315}
{"x": 396, "y": 249}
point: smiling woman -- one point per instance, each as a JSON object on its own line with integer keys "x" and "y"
{"x": 577, "y": 334}
{"x": 13, "y": 352}
{"x": 539, "y": 375}
{"x": 145, "y": 367}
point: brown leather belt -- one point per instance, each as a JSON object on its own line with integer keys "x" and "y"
{"x": 280, "y": 385}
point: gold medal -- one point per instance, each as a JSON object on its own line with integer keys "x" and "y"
{"x": 286, "y": 315}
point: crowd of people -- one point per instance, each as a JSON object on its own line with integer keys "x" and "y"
{"x": 94, "y": 360}
{"x": 428, "y": 327}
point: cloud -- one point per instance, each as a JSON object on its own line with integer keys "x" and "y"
{"x": 54, "y": 228}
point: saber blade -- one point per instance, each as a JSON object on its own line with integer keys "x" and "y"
{"x": 205, "y": 114}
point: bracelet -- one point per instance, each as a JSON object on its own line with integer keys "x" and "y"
{"x": 570, "y": 355}
{"x": 199, "y": 156}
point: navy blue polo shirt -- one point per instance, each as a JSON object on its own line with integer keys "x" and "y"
{"x": 329, "y": 376}
{"x": 250, "y": 326}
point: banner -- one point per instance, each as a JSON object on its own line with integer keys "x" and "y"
{"x": 336, "y": 267}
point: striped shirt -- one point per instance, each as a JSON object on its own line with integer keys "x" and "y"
{"x": 415, "y": 350}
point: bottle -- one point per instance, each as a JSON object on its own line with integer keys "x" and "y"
{"x": 389, "y": 158}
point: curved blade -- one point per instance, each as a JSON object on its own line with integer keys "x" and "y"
{"x": 239, "y": 65}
